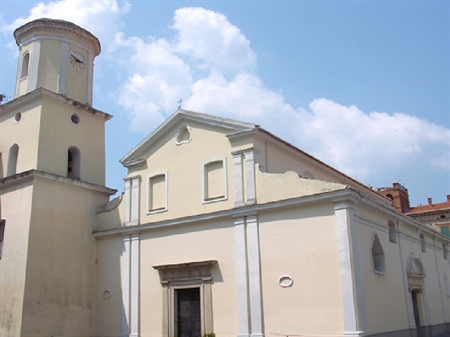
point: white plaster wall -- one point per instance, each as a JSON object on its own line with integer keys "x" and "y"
{"x": 303, "y": 244}
{"x": 386, "y": 306}
{"x": 202, "y": 241}
{"x": 183, "y": 164}
{"x": 108, "y": 310}
{"x": 387, "y": 296}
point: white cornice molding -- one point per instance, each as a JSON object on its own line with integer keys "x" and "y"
{"x": 392, "y": 212}
{"x": 231, "y": 213}
{"x": 41, "y": 93}
{"x": 179, "y": 116}
{"x": 22, "y": 177}
{"x": 54, "y": 28}
{"x": 345, "y": 195}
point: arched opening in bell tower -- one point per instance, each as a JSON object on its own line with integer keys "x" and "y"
{"x": 12, "y": 160}
{"x": 25, "y": 65}
{"x": 73, "y": 163}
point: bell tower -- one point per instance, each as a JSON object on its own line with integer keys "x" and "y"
{"x": 58, "y": 56}
{"x": 51, "y": 125}
{"x": 52, "y": 184}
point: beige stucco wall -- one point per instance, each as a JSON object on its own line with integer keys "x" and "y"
{"x": 198, "y": 242}
{"x": 272, "y": 187}
{"x": 22, "y": 82}
{"x": 273, "y": 156}
{"x": 88, "y": 136}
{"x": 44, "y": 134}
{"x": 49, "y": 64}
{"x": 77, "y": 79}
{"x": 60, "y": 262}
{"x": 16, "y": 208}
{"x": 50, "y": 54}
{"x": 183, "y": 164}
{"x": 24, "y": 133}
{"x": 108, "y": 308}
{"x": 301, "y": 242}
{"x": 201, "y": 241}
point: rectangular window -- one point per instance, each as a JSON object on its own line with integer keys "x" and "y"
{"x": 2, "y": 235}
{"x": 392, "y": 232}
{"x": 157, "y": 192}
{"x": 423, "y": 244}
{"x": 214, "y": 180}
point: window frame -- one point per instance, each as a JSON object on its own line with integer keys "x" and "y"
{"x": 23, "y": 76}
{"x": 2, "y": 235}
{"x": 149, "y": 191}
{"x": 392, "y": 231}
{"x": 204, "y": 186}
{"x": 378, "y": 258}
{"x": 423, "y": 243}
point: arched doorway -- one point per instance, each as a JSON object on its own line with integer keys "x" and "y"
{"x": 416, "y": 276}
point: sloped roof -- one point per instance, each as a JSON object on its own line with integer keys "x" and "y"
{"x": 442, "y": 206}
{"x": 182, "y": 115}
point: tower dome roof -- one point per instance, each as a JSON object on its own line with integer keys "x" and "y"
{"x": 56, "y": 27}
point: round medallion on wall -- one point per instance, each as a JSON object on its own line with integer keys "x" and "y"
{"x": 77, "y": 60}
{"x": 285, "y": 281}
{"x": 106, "y": 294}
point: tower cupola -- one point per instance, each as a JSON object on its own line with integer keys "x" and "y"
{"x": 58, "y": 56}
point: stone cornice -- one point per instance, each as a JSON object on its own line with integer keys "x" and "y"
{"x": 26, "y": 176}
{"x": 55, "y": 27}
{"x": 40, "y": 93}
{"x": 231, "y": 213}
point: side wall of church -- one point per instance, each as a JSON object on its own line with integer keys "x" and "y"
{"x": 387, "y": 292}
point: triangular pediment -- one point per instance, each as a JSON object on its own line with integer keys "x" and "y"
{"x": 178, "y": 124}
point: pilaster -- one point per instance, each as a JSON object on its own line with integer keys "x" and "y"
{"x": 125, "y": 278}
{"x": 132, "y": 201}
{"x": 127, "y": 201}
{"x": 62, "y": 80}
{"x": 254, "y": 276}
{"x": 354, "y": 309}
{"x": 242, "y": 278}
{"x": 250, "y": 177}
{"x": 135, "y": 285}
{"x": 135, "y": 199}
{"x": 238, "y": 179}
{"x": 250, "y": 320}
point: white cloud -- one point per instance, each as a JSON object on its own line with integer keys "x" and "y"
{"x": 210, "y": 64}
{"x": 100, "y": 17}
{"x": 365, "y": 145}
{"x": 212, "y": 40}
{"x": 164, "y": 70}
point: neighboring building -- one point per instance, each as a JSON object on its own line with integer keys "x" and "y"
{"x": 222, "y": 227}
{"x": 437, "y": 216}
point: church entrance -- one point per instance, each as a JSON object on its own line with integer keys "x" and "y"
{"x": 416, "y": 275}
{"x": 416, "y": 309}
{"x": 188, "y": 321}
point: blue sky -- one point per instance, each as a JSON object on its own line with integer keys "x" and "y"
{"x": 361, "y": 85}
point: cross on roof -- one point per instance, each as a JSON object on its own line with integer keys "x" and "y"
{"x": 179, "y": 103}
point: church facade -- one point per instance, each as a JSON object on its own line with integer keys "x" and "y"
{"x": 223, "y": 229}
